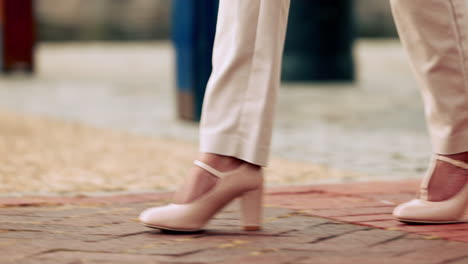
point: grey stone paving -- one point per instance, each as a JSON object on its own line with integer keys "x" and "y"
{"x": 374, "y": 127}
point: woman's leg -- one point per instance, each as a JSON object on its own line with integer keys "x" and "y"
{"x": 239, "y": 103}
{"x": 435, "y": 34}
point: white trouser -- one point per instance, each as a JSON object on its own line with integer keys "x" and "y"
{"x": 435, "y": 32}
{"x": 239, "y": 104}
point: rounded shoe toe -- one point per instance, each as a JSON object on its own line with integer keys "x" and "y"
{"x": 406, "y": 210}
{"x": 421, "y": 211}
{"x": 148, "y": 215}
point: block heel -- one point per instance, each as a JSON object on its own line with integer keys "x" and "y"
{"x": 251, "y": 210}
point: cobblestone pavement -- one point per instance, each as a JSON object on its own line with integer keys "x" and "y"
{"x": 347, "y": 223}
{"x": 44, "y": 156}
{"x": 374, "y": 127}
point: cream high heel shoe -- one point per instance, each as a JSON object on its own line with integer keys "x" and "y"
{"x": 424, "y": 211}
{"x": 245, "y": 182}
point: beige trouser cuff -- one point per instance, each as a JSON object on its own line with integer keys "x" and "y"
{"x": 234, "y": 146}
{"x": 450, "y": 145}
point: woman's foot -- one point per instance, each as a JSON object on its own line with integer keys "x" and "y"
{"x": 447, "y": 180}
{"x": 444, "y": 193}
{"x": 201, "y": 181}
{"x": 218, "y": 183}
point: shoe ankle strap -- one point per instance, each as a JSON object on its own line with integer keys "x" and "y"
{"x": 454, "y": 162}
{"x": 209, "y": 169}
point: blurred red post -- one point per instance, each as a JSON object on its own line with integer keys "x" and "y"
{"x": 17, "y": 35}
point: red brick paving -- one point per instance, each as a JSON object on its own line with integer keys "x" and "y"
{"x": 61, "y": 200}
{"x": 344, "y": 223}
{"x": 368, "y": 204}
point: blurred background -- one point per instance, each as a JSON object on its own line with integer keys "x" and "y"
{"x": 142, "y": 20}
{"x": 105, "y": 106}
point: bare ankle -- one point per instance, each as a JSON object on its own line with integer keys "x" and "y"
{"x": 221, "y": 162}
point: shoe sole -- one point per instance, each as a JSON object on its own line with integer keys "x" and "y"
{"x": 245, "y": 228}
{"x": 409, "y": 221}
{"x": 172, "y": 229}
